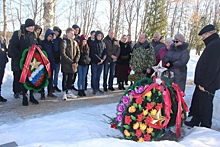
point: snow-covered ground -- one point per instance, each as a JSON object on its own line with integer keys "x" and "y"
{"x": 87, "y": 126}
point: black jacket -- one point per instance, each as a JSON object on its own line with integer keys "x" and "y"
{"x": 18, "y": 45}
{"x": 57, "y": 45}
{"x": 84, "y": 57}
{"x": 3, "y": 55}
{"x": 207, "y": 73}
{"x": 97, "y": 51}
{"x": 124, "y": 56}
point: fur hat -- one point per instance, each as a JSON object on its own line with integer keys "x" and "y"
{"x": 207, "y": 28}
{"x": 179, "y": 37}
{"x": 29, "y": 22}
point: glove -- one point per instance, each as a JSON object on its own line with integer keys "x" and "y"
{"x": 169, "y": 64}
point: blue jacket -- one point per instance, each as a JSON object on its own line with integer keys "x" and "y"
{"x": 48, "y": 48}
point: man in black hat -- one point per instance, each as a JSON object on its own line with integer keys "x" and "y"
{"x": 20, "y": 40}
{"x": 207, "y": 79}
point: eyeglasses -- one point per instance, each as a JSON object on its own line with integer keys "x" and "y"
{"x": 175, "y": 41}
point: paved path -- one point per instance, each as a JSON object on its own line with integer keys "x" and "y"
{"x": 13, "y": 111}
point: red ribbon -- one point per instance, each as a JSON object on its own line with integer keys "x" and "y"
{"x": 28, "y": 60}
{"x": 180, "y": 100}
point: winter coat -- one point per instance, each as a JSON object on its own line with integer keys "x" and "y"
{"x": 179, "y": 56}
{"x": 112, "y": 48}
{"x": 160, "y": 55}
{"x": 3, "y": 55}
{"x": 89, "y": 41}
{"x": 57, "y": 44}
{"x": 70, "y": 54}
{"x": 157, "y": 46}
{"x": 145, "y": 45}
{"x": 48, "y": 48}
{"x": 97, "y": 51}
{"x": 207, "y": 73}
{"x": 124, "y": 56}
{"x": 18, "y": 45}
{"x": 84, "y": 57}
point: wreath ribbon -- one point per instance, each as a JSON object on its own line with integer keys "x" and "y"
{"x": 180, "y": 100}
{"x": 28, "y": 60}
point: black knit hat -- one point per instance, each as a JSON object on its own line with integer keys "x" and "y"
{"x": 76, "y": 26}
{"x": 29, "y": 22}
{"x": 207, "y": 28}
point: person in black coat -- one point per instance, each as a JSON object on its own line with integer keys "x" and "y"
{"x": 97, "y": 55}
{"x": 122, "y": 65}
{"x": 20, "y": 40}
{"x": 207, "y": 79}
{"x": 56, "y": 52}
{"x": 47, "y": 45}
{"x": 176, "y": 60}
{"x": 4, "y": 60}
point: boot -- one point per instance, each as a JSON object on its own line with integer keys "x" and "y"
{"x": 80, "y": 93}
{"x": 42, "y": 96}
{"x": 83, "y": 93}
{"x": 122, "y": 85}
{"x": 50, "y": 94}
{"x": 25, "y": 100}
{"x": 2, "y": 99}
{"x": 119, "y": 86}
{"x": 57, "y": 89}
{"x": 32, "y": 99}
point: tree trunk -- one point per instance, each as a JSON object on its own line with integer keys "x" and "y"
{"x": 118, "y": 18}
{"x": 5, "y": 19}
{"x": 48, "y": 14}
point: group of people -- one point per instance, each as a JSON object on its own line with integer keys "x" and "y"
{"x": 74, "y": 53}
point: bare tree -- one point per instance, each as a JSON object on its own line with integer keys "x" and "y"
{"x": 48, "y": 13}
{"x": 5, "y": 19}
{"x": 137, "y": 17}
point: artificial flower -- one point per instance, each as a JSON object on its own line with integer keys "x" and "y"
{"x": 138, "y": 133}
{"x": 140, "y": 89}
{"x": 148, "y": 120}
{"x": 119, "y": 118}
{"x": 143, "y": 127}
{"x": 126, "y": 100}
{"x": 140, "y": 117}
{"x": 159, "y": 106}
{"x": 127, "y": 120}
{"x": 127, "y": 133}
{"x": 153, "y": 112}
{"x": 145, "y": 112}
{"x": 132, "y": 93}
{"x": 120, "y": 108}
{"x": 149, "y": 130}
{"x": 114, "y": 126}
{"x": 149, "y": 106}
{"x": 147, "y": 137}
{"x": 131, "y": 109}
{"x": 148, "y": 94}
{"x": 140, "y": 140}
{"x": 139, "y": 100}
{"x": 136, "y": 126}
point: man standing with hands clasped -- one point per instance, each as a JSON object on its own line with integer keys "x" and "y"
{"x": 207, "y": 79}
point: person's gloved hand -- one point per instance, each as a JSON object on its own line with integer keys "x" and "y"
{"x": 169, "y": 64}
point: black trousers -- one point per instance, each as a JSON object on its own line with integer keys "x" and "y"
{"x": 74, "y": 78}
{"x": 2, "y": 72}
{"x": 202, "y": 107}
{"x": 50, "y": 85}
{"x": 17, "y": 86}
{"x": 67, "y": 81}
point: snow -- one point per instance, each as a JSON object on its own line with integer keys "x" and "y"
{"x": 87, "y": 126}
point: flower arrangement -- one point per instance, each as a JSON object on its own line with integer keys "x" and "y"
{"x": 147, "y": 108}
{"x": 35, "y": 68}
